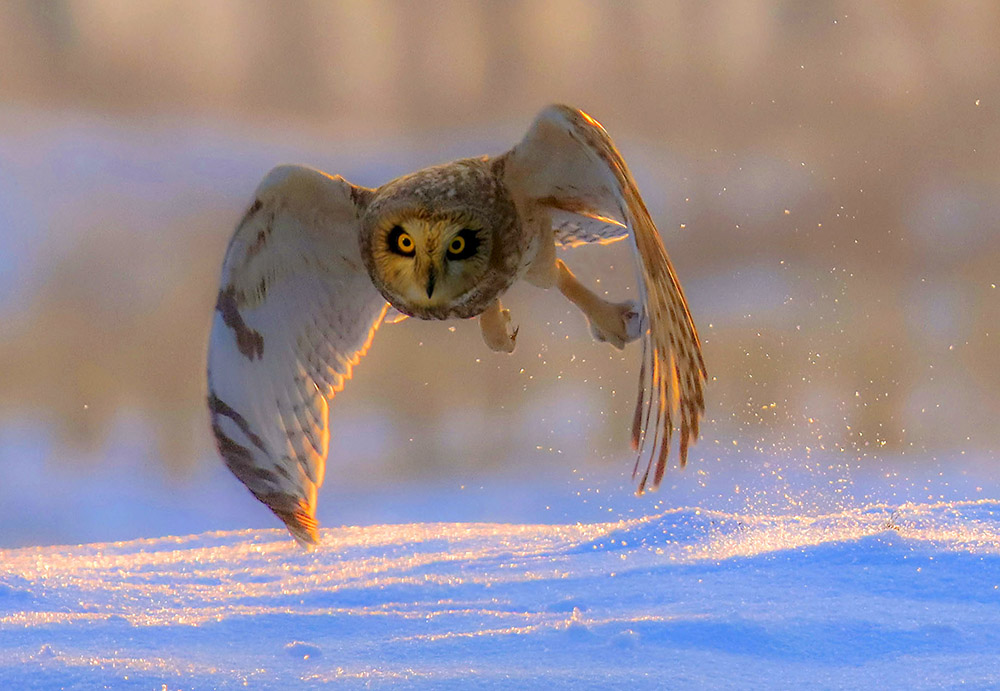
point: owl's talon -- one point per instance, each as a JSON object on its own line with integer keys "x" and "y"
{"x": 497, "y": 331}
{"x": 634, "y": 320}
{"x": 617, "y": 323}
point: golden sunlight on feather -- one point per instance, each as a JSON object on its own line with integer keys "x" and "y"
{"x": 323, "y": 259}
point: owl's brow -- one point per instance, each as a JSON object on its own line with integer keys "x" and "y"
{"x": 456, "y": 218}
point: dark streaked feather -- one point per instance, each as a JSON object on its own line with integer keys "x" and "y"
{"x": 568, "y": 164}
{"x": 296, "y": 311}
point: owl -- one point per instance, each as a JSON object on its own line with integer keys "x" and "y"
{"x": 317, "y": 264}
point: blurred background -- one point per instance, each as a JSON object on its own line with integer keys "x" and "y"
{"x": 824, "y": 175}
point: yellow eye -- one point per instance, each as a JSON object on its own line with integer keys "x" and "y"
{"x": 404, "y": 242}
{"x": 457, "y": 245}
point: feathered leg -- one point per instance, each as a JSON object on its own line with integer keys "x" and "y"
{"x": 617, "y": 323}
{"x": 496, "y": 328}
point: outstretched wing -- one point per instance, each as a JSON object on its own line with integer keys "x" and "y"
{"x": 296, "y": 311}
{"x": 568, "y": 164}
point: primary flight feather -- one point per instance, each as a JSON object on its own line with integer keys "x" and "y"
{"x": 316, "y": 262}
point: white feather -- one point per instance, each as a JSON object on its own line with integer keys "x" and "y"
{"x": 568, "y": 164}
{"x": 296, "y": 311}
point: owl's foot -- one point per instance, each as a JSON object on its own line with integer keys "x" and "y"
{"x": 497, "y": 330}
{"x": 616, "y": 323}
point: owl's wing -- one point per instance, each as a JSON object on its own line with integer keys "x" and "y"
{"x": 568, "y": 164}
{"x": 575, "y": 229}
{"x": 296, "y": 311}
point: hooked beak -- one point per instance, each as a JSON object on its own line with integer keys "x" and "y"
{"x": 431, "y": 279}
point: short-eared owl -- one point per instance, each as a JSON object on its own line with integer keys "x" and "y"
{"x": 316, "y": 262}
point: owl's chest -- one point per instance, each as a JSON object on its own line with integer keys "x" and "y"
{"x": 530, "y": 234}
{"x": 528, "y": 244}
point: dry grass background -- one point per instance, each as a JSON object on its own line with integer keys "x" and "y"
{"x": 824, "y": 175}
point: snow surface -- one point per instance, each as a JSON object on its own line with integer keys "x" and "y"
{"x": 880, "y": 596}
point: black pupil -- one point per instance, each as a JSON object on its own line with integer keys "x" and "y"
{"x": 456, "y": 250}
{"x": 399, "y": 242}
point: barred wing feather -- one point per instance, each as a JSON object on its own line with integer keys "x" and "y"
{"x": 568, "y": 164}
{"x": 296, "y": 311}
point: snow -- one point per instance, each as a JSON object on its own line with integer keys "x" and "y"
{"x": 900, "y": 594}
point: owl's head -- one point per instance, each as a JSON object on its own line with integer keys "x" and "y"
{"x": 441, "y": 242}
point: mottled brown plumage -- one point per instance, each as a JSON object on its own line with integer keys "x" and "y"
{"x": 315, "y": 260}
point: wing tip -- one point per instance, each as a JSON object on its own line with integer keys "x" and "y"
{"x": 305, "y": 529}
{"x": 298, "y": 516}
